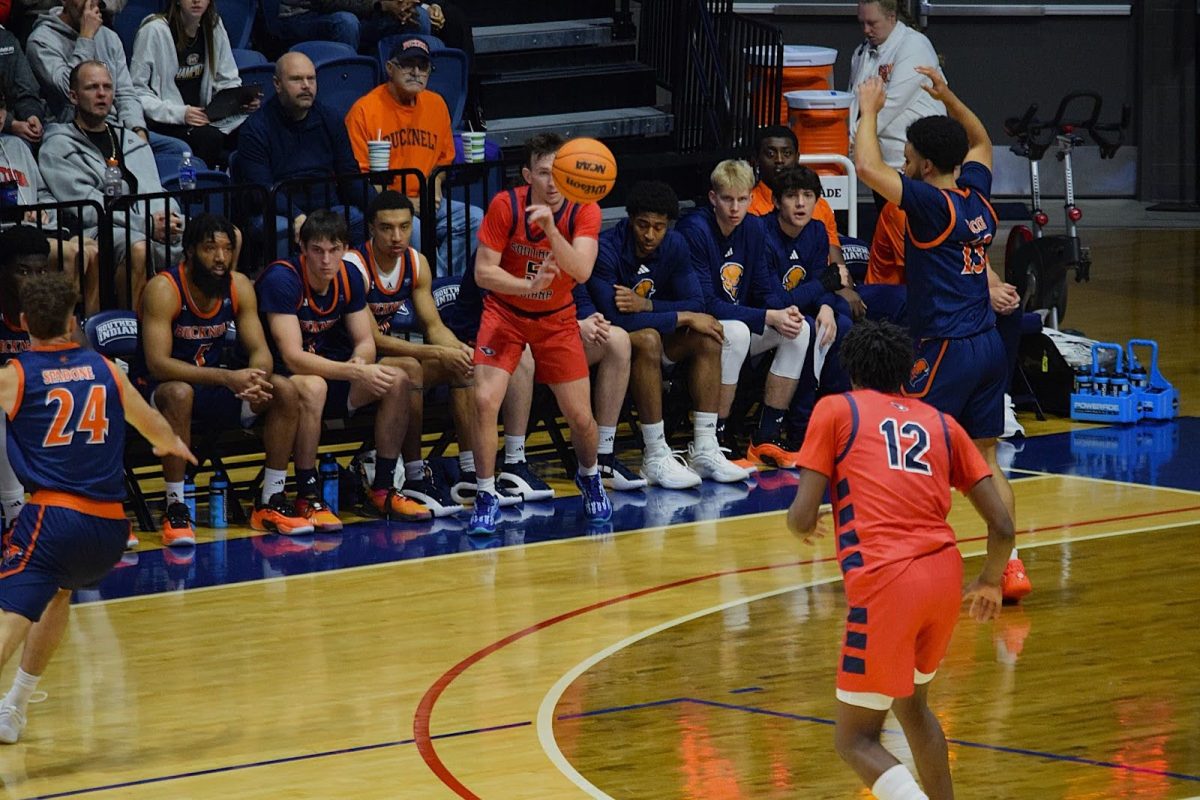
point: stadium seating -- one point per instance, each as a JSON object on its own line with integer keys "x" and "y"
{"x": 321, "y": 52}
{"x": 238, "y": 17}
{"x": 127, "y": 22}
{"x": 248, "y": 58}
{"x": 342, "y": 81}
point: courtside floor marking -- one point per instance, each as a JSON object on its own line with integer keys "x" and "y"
{"x": 545, "y": 715}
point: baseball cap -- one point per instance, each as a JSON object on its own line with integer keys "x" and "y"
{"x": 409, "y": 48}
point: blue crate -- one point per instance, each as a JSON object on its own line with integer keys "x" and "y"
{"x": 1110, "y": 398}
{"x": 1157, "y": 398}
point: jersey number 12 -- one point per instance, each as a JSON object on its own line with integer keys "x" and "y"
{"x": 915, "y": 441}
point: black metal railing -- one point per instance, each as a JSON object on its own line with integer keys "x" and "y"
{"x": 466, "y": 189}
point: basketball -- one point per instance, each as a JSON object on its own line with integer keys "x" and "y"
{"x": 584, "y": 170}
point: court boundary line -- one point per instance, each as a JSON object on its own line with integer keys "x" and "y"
{"x": 1107, "y": 482}
{"x": 545, "y": 715}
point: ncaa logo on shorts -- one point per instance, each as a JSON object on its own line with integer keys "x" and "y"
{"x": 919, "y": 373}
{"x": 731, "y": 279}
{"x": 487, "y": 351}
{"x": 793, "y": 277}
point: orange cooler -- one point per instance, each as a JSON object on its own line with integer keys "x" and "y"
{"x": 805, "y": 68}
{"x": 821, "y": 121}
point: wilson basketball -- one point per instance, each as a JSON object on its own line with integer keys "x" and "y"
{"x": 584, "y": 170}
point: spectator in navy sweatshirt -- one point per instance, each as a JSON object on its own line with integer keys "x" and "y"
{"x": 294, "y": 135}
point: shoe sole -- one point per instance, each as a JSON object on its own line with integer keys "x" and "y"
{"x": 272, "y": 528}
{"x": 671, "y": 485}
{"x": 627, "y": 486}
{"x": 536, "y": 496}
{"x": 436, "y": 509}
{"x": 769, "y": 461}
{"x": 180, "y": 541}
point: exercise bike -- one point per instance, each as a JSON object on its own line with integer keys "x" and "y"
{"x": 1035, "y": 263}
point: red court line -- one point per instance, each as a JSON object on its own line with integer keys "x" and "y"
{"x": 424, "y": 712}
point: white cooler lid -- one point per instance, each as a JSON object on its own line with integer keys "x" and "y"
{"x": 809, "y": 100}
{"x": 804, "y": 55}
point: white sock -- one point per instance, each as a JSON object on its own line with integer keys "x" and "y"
{"x": 898, "y": 784}
{"x": 588, "y": 472}
{"x": 22, "y": 689}
{"x": 486, "y": 485}
{"x": 174, "y": 492}
{"x": 653, "y": 437}
{"x": 704, "y": 429}
{"x": 1014, "y": 554}
{"x": 608, "y": 437}
{"x": 414, "y": 470}
{"x": 466, "y": 461}
{"x": 514, "y": 449}
{"x": 273, "y": 482}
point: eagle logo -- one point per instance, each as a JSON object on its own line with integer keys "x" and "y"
{"x": 794, "y": 277}
{"x": 644, "y": 288}
{"x": 731, "y": 279}
{"x": 920, "y": 371}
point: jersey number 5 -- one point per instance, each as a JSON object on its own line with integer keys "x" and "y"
{"x": 93, "y": 420}
{"x": 915, "y": 440}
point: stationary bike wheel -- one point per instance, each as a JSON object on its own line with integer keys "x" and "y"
{"x": 1027, "y": 281}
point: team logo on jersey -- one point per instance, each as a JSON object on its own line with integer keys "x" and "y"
{"x": 919, "y": 373}
{"x": 644, "y": 288}
{"x": 643, "y": 270}
{"x": 731, "y": 279}
{"x": 885, "y": 72}
{"x": 794, "y": 277}
{"x": 898, "y": 406}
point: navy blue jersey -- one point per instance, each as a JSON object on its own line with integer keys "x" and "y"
{"x": 283, "y": 289}
{"x": 948, "y": 231}
{"x": 384, "y": 303}
{"x": 799, "y": 262}
{"x": 732, "y": 270}
{"x": 13, "y": 339}
{"x": 197, "y": 337}
{"x": 665, "y": 278}
{"x": 66, "y": 431}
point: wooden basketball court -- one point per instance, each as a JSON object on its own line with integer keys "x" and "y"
{"x": 689, "y": 653}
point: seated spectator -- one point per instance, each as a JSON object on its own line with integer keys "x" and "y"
{"x": 183, "y": 370}
{"x": 180, "y": 60}
{"x": 21, "y": 106}
{"x": 358, "y": 23}
{"x": 417, "y": 123}
{"x": 322, "y": 334}
{"x": 18, "y": 164}
{"x": 73, "y": 159}
{"x": 25, "y": 14}
{"x": 292, "y": 136}
{"x": 66, "y": 37}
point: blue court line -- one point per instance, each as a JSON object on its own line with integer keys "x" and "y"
{"x": 271, "y": 762}
{"x": 1020, "y": 751}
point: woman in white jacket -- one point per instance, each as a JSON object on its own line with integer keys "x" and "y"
{"x": 180, "y": 60}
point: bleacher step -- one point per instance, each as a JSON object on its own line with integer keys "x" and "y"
{"x": 539, "y": 36}
{"x": 613, "y": 122}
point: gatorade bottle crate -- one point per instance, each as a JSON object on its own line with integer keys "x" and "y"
{"x": 1103, "y": 396}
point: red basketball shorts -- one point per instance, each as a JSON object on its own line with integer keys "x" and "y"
{"x": 554, "y": 339}
{"x": 898, "y": 636}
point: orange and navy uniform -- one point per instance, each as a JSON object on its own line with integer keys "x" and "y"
{"x": 545, "y": 320}
{"x": 762, "y": 204}
{"x": 66, "y": 435}
{"x": 385, "y": 304}
{"x": 14, "y": 339}
{"x": 198, "y": 336}
{"x": 891, "y": 462}
{"x": 283, "y": 288}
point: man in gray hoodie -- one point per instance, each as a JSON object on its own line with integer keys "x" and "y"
{"x": 73, "y": 33}
{"x": 73, "y": 159}
{"x": 23, "y": 112}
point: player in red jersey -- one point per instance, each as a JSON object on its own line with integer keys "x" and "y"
{"x": 889, "y": 462}
{"x": 534, "y": 247}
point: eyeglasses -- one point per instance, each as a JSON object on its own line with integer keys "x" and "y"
{"x": 415, "y": 67}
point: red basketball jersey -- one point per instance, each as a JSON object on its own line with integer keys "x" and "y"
{"x": 890, "y": 461}
{"x": 523, "y": 247}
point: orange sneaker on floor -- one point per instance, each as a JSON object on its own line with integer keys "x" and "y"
{"x": 391, "y": 504}
{"x": 177, "y": 526}
{"x": 277, "y": 516}
{"x": 1015, "y": 583}
{"x": 318, "y": 515}
{"x": 771, "y": 453}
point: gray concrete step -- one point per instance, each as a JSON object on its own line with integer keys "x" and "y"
{"x": 520, "y": 38}
{"x": 614, "y": 122}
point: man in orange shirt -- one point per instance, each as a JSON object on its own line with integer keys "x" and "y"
{"x": 417, "y": 123}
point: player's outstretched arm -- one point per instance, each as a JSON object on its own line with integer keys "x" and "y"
{"x": 150, "y": 423}
{"x": 978, "y": 142}
{"x": 984, "y": 592}
{"x": 868, "y": 157}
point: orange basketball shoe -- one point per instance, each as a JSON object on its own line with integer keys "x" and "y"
{"x": 318, "y": 515}
{"x": 771, "y": 453}
{"x": 277, "y": 516}
{"x": 390, "y": 504}
{"x": 1015, "y": 583}
{"x": 177, "y": 526}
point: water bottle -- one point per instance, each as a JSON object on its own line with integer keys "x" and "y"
{"x": 187, "y": 172}
{"x": 218, "y": 494}
{"x": 113, "y": 185}
{"x": 189, "y": 496}
{"x": 329, "y": 481}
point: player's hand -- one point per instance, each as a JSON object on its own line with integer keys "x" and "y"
{"x": 542, "y": 216}
{"x": 1005, "y": 298}
{"x": 195, "y": 116}
{"x": 826, "y": 326}
{"x": 247, "y": 381}
{"x": 547, "y": 272}
{"x": 858, "y": 308}
{"x": 872, "y": 94}
{"x": 595, "y": 329}
{"x": 937, "y": 88}
{"x": 178, "y": 449}
{"x": 378, "y": 378}
{"x": 788, "y": 321}
{"x": 821, "y": 528}
{"x": 629, "y": 301}
{"x": 703, "y": 324}
{"x": 985, "y": 598}
{"x": 458, "y": 359}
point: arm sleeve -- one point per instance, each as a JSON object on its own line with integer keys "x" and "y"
{"x": 584, "y": 307}
{"x": 674, "y": 262}
{"x": 21, "y": 88}
{"x": 279, "y": 291}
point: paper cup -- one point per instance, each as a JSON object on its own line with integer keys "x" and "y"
{"x": 473, "y": 146}
{"x": 379, "y": 155}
